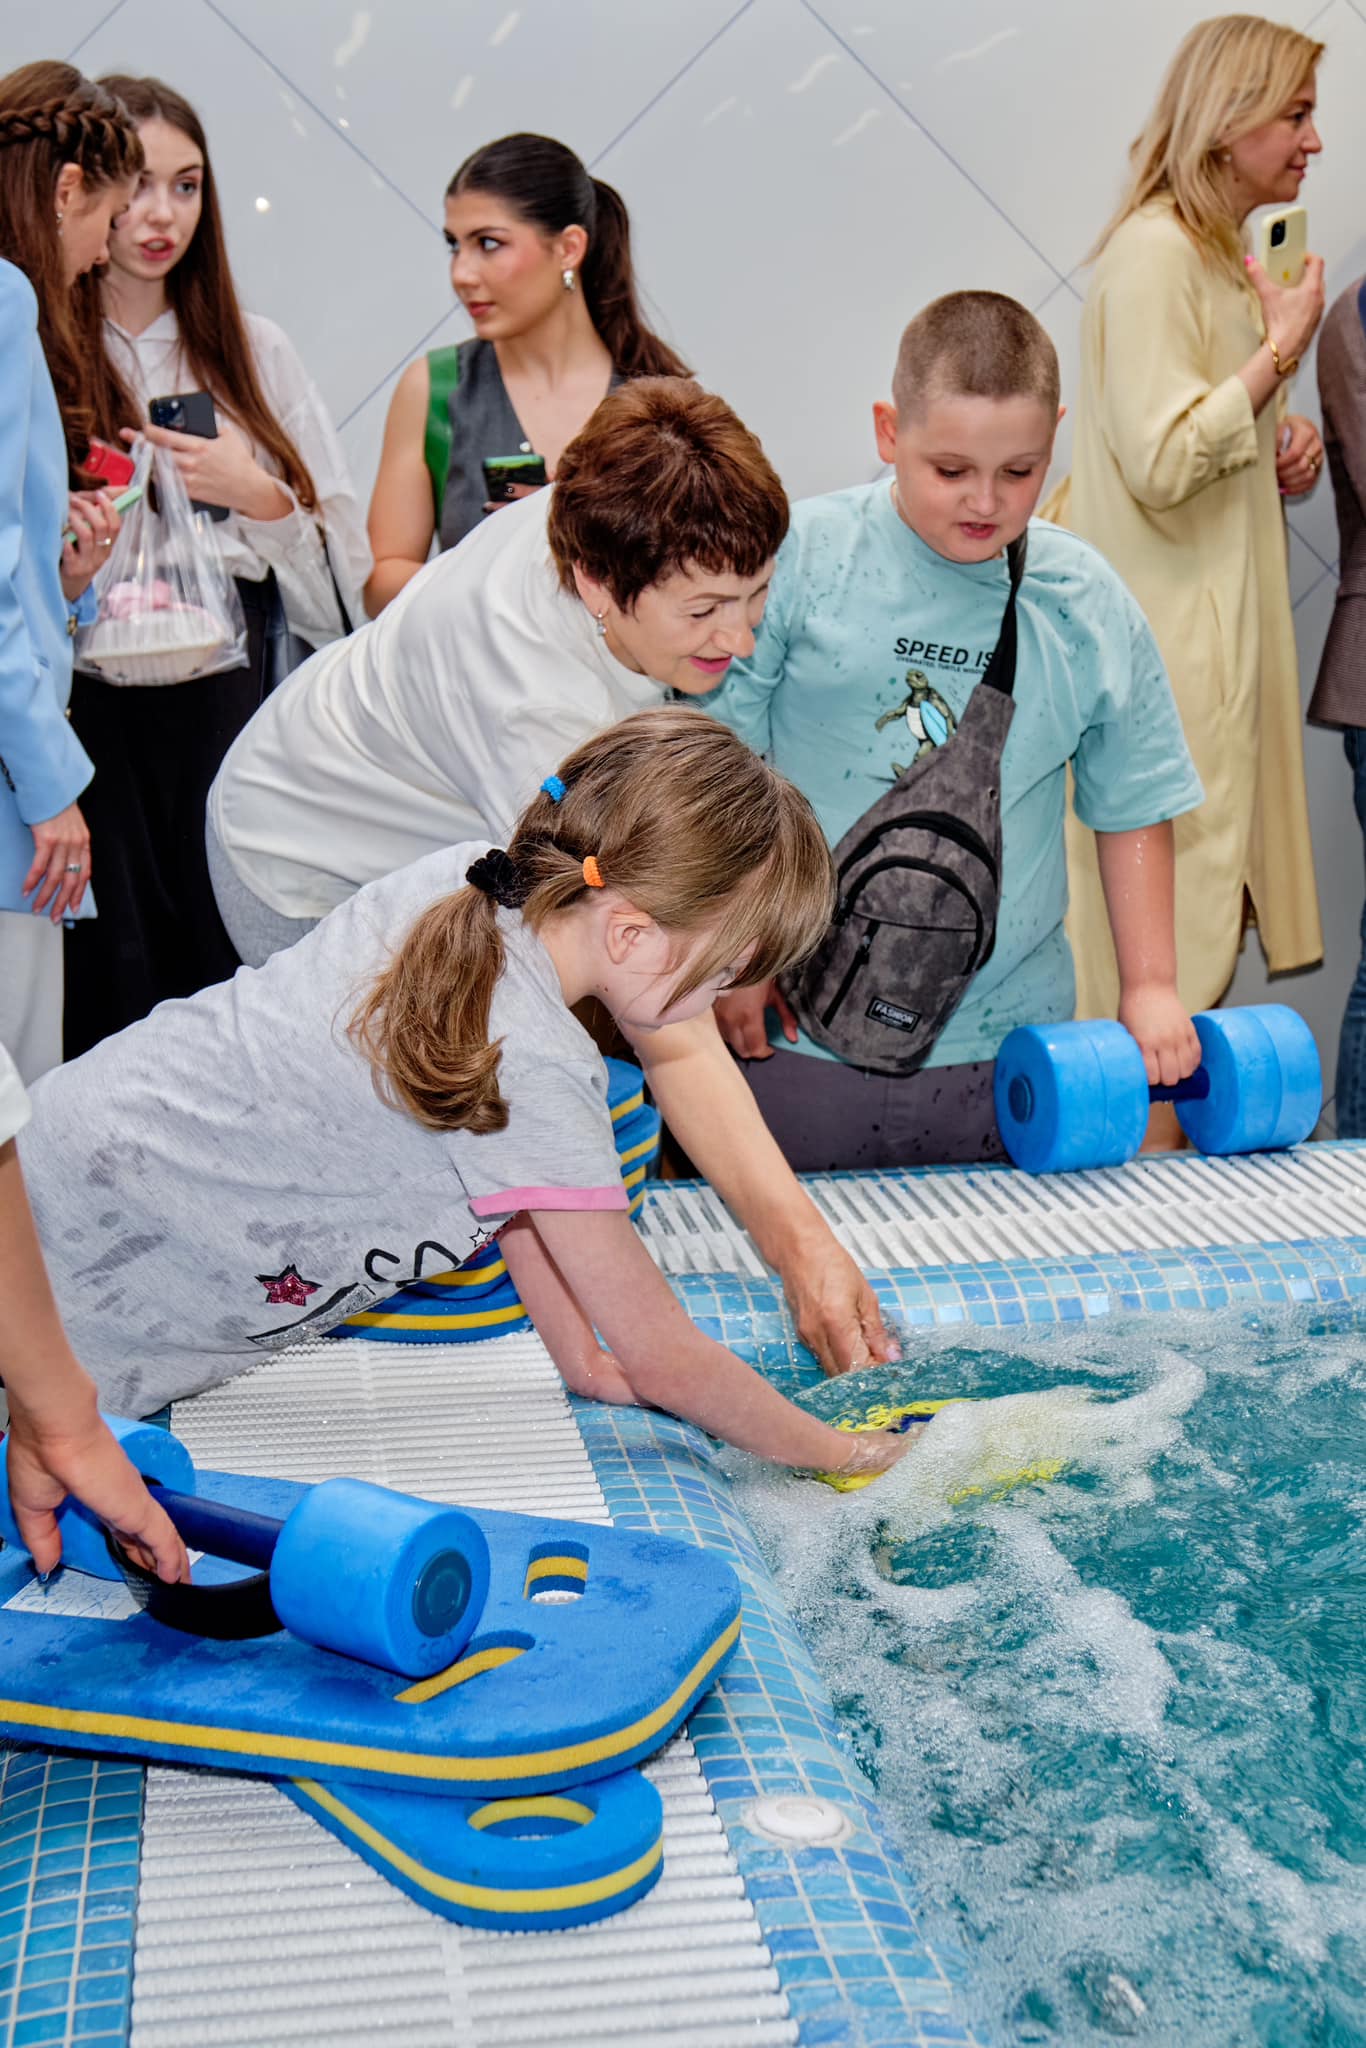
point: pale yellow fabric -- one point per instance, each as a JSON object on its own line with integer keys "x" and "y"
{"x": 1174, "y": 480}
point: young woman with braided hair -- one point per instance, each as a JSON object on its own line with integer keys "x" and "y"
{"x": 409, "y": 1081}
{"x": 69, "y": 157}
{"x": 164, "y": 318}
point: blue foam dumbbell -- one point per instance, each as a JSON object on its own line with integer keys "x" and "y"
{"x": 355, "y": 1568}
{"x": 1077, "y": 1095}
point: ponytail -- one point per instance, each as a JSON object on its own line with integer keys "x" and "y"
{"x": 545, "y": 182}
{"x": 734, "y": 862}
{"x": 609, "y": 286}
{"x": 424, "y": 1025}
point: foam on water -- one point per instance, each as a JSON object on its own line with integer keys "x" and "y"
{"x": 1118, "y": 1718}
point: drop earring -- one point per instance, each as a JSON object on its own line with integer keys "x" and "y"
{"x": 571, "y": 280}
{"x": 59, "y": 220}
{"x": 602, "y": 625}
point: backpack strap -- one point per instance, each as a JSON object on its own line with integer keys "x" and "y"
{"x": 999, "y": 673}
{"x": 443, "y": 375}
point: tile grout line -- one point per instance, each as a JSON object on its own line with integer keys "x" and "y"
{"x": 103, "y": 22}
{"x": 931, "y": 138}
{"x": 669, "y": 84}
{"x": 340, "y": 134}
{"x": 408, "y": 356}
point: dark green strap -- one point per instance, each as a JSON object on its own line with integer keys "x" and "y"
{"x": 443, "y": 374}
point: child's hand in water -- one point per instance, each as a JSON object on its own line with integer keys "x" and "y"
{"x": 876, "y": 1450}
{"x": 80, "y": 1456}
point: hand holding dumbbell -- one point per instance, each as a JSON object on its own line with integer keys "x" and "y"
{"x": 1077, "y": 1095}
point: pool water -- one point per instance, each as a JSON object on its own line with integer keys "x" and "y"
{"x": 1117, "y": 1719}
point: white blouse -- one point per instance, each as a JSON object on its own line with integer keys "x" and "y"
{"x": 298, "y": 546}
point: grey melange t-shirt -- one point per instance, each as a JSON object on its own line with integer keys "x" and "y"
{"x": 222, "y": 1179}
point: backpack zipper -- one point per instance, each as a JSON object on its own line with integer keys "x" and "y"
{"x": 937, "y": 821}
{"x": 865, "y": 944}
{"x": 864, "y": 948}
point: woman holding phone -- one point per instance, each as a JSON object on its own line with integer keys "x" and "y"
{"x": 291, "y": 535}
{"x": 541, "y": 262}
{"x": 1185, "y": 454}
{"x": 69, "y": 157}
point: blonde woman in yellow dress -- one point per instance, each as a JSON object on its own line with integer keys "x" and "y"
{"x": 1185, "y": 454}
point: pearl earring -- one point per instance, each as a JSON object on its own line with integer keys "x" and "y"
{"x": 59, "y": 220}
{"x": 602, "y": 625}
{"x": 570, "y": 280}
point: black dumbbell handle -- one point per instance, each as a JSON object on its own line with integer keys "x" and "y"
{"x": 219, "y": 1530}
{"x": 1195, "y": 1088}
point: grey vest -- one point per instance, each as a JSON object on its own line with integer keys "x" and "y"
{"x": 484, "y": 428}
{"x": 919, "y": 886}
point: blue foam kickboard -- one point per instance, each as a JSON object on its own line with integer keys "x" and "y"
{"x": 543, "y": 1696}
{"x": 593, "y": 1850}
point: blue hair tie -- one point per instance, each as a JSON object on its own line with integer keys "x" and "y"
{"x": 553, "y": 788}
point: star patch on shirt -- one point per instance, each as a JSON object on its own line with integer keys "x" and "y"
{"x": 289, "y": 1286}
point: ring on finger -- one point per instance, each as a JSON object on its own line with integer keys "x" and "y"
{"x": 73, "y": 867}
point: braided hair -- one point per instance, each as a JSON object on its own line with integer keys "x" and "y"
{"x": 51, "y": 116}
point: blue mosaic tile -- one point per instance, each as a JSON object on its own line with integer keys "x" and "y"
{"x": 70, "y": 1827}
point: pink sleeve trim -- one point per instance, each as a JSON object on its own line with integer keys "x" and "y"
{"x": 512, "y": 1199}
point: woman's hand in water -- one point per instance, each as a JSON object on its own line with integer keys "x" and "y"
{"x": 48, "y": 1460}
{"x": 876, "y": 1450}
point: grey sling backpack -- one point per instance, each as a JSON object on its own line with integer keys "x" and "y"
{"x": 919, "y": 880}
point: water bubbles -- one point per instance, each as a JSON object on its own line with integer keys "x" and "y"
{"x": 1118, "y": 1717}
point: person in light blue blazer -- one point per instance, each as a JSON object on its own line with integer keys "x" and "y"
{"x": 69, "y": 158}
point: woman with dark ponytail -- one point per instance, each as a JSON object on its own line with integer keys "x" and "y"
{"x": 541, "y": 262}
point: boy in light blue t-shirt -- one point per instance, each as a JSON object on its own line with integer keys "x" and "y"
{"x": 885, "y": 606}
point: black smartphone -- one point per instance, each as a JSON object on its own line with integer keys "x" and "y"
{"x": 189, "y": 412}
{"x": 513, "y": 476}
{"x": 186, "y": 412}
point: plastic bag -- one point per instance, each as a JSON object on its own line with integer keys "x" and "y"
{"x": 168, "y": 609}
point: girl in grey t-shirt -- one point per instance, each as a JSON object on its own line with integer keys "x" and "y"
{"x": 249, "y": 1167}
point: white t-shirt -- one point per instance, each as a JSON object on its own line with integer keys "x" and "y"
{"x": 14, "y": 1105}
{"x": 435, "y": 723}
{"x": 152, "y": 365}
{"x": 223, "y": 1178}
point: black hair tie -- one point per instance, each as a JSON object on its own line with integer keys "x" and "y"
{"x": 499, "y": 876}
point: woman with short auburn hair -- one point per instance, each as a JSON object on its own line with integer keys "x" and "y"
{"x": 642, "y": 570}
{"x": 1185, "y": 454}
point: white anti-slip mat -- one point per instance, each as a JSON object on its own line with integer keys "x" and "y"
{"x": 1171, "y": 1201}
{"x": 256, "y": 1929}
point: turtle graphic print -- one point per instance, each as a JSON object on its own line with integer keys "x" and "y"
{"x": 930, "y": 721}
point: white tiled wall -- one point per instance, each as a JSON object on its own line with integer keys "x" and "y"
{"x": 802, "y": 174}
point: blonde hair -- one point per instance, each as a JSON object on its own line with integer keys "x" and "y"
{"x": 975, "y": 345}
{"x": 1229, "y": 76}
{"x": 688, "y": 824}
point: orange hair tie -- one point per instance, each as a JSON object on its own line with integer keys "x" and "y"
{"x": 592, "y": 873}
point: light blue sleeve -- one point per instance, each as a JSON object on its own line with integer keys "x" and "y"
{"x": 744, "y": 701}
{"x": 45, "y": 764}
{"x": 1132, "y": 765}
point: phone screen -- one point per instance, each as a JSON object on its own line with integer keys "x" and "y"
{"x": 513, "y": 476}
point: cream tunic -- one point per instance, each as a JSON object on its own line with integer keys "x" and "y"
{"x": 1174, "y": 480}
